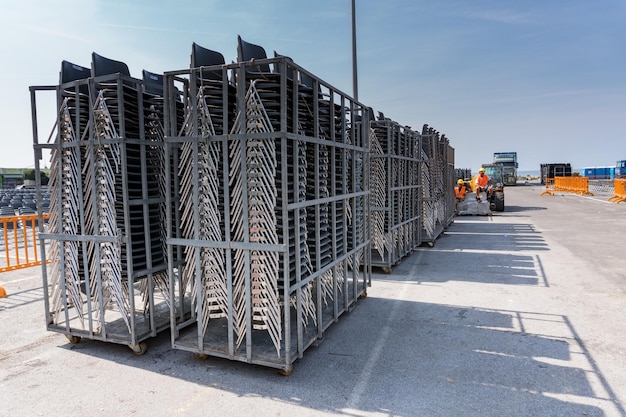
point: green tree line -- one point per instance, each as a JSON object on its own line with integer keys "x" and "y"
{"x": 29, "y": 174}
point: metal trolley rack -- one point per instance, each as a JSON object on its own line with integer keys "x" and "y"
{"x": 396, "y": 194}
{"x": 450, "y": 181}
{"x": 437, "y": 184}
{"x": 269, "y": 185}
{"x": 105, "y": 270}
{"x": 230, "y": 203}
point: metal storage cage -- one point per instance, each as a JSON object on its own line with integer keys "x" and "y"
{"x": 395, "y": 192}
{"x": 105, "y": 272}
{"x": 271, "y": 172}
{"x": 450, "y": 178}
{"x": 437, "y": 185}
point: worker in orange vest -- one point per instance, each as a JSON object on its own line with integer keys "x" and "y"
{"x": 482, "y": 182}
{"x": 460, "y": 190}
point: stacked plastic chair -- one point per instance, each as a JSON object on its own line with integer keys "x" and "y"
{"x": 200, "y": 177}
{"x": 66, "y": 254}
{"x": 319, "y": 186}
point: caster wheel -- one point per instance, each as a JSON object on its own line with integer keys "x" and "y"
{"x": 286, "y": 372}
{"x": 317, "y": 342}
{"x": 387, "y": 270}
{"x": 73, "y": 339}
{"x": 202, "y": 356}
{"x": 431, "y": 244}
{"x": 362, "y": 296}
{"x": 139, "y": 349}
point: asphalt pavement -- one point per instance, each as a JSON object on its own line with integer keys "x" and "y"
{"x": 516, "y": 314}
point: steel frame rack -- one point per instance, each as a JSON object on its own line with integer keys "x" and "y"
{"x": 450, "y": 181}
{"x": 396, "y": 192}
{"x": 103, "y": 250}
{"x": 271, "y": 210}
{"x": 438, "y": 183}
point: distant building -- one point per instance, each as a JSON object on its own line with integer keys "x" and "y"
{"x": 555, "y": 170}
{"x": 11, "y": 177}
{"x": 599, "y": 173}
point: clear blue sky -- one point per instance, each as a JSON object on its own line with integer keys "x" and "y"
{"x": 544, "y": 78}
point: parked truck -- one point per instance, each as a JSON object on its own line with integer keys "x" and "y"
{"x": 509, "y": 163}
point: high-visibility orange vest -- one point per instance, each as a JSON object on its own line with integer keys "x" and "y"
{"x": 482, "y": 180}
{"x": 459, "y": 192}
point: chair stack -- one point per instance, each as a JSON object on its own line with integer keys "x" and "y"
{"x": 396, "y": 192}
{"x": 437, "y": 183}
{"x": 266, "y": 272}
{"x": 108, "y": 268}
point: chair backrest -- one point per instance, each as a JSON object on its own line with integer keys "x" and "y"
{"x": 72, "y": 72}
{"x": 308, "y": 81}
{"x": 278, "y": 66}
{"x": 203, "y": 57}
{"x": 305, "y": 79}
{"x": 106, "y": 66}
{"x": 248, "y": 51}
{"x": 153, "y": 83}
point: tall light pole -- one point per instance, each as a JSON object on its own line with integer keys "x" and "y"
{"x": 355, "y": 84}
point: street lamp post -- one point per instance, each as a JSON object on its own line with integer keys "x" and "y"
{"x": 355, "y": 84}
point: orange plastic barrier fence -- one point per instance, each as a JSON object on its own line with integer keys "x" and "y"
{"x": 549, "y": 186}
{"x": 619, "y": 193}
{"x": 576, "y": 185}
{"x": 18, "y": 248}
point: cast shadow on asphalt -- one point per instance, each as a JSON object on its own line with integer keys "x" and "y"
{"x": 492, "y": 269}
{"x": 415, "y": 358}
{"x": 515, "y": 209}
{"x": 435, "y": 360}
{"x": 478, "y": 250}
{"x": 481, "y": 234}
{"x": 21, "y": 298}
{"x": 422, "y": 359}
